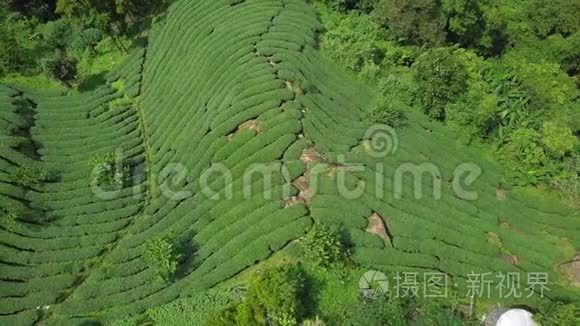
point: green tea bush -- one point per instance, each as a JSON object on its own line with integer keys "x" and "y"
{"x": 121, "y": 102}
{"x": 108, "y": 171}
{"x": 386, "y": 113}
{"x": 7, "y": 218}
{"x": 322, "y": 245}
{"x": 27, "y": 176}
{"x": 161, "y": 256}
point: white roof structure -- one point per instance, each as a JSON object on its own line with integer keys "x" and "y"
{"x": 516, "y": 317}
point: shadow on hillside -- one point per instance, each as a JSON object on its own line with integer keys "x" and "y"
{"x": 187, "y": 248}
{"x": 92, "y": 82}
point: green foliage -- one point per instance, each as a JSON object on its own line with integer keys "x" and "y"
{"x": 412, "y": 21}
{"x": 10, "y": 52}
{"x": 386, "y": 113}
{"x": 39, "y": 8}
{"x": 57, "y": 34}
{"x": 108, "y": 171}
{"x": 322, "y": 246}
{"x": 7, "y": 218}
{"x": 473, "y": 24}
{"x": 60, "y": 67}
{"x": 559, "y": 314}
{"x": 352, "y": 41}
{"x": 162, "y": 257}
{"x": 119, "y": 85}
{"x": 381, "y": 311}
{"x": 441, "y": 79}
{"x": 545, "y": 82}
{"x": 120, "y": 103}
{"x": 344, "y": 5}
{"x": 313, "y": 322}
{"x": 568, "y": 52}
{"x": 476, "y": 114}
{"x": 465, "y": 20}
{"x": 389, "y": 309}
{"x": 525, "y": 156}
{"x": 275, "y": 296}
{"x": 86, "y": 39}
{"x": 29, "y": 175}
{"x": 558, "y": 139}
{"x": 549, "y": 17}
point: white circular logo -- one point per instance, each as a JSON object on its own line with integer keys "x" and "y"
{"x": 373, "y": 284}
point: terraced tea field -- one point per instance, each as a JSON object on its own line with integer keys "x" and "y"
{"x": 225, "y": 85}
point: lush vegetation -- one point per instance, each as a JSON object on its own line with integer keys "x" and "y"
{"x": 162, "y": 256}
{"x": 71, "y": 42}
{"x": 504, "y": 74}
{"x": 127, "y": 199}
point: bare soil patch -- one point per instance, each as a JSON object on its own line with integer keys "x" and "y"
{"x": 378, "y": 225}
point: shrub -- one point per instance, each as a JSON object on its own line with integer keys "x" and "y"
{"x": 119, "y": 85}
{"x": 557, "y": 139}
{"x": 352, "y": 41}
{"x": 476, "y": 116}
{"x": 380, "y": 311}
{"x": 7, "y": 218}
{"x": 60, "y": 67}
{"x": 524, "y": 156}
{"x": 274, "y": 294}
{"x": 57, "y": 34}
{"x": 162, "y": 257}
{"x": 386, "y": 113}
{"x": 28, "y": 176}
{"x": 568, "y": 182}
{"x": 322, "y": 246}
{"x": 120, "y": 103}
{"x": 559, "y": 314}
{"x": 549, "y": 17}
{"x": 344, "y": 5}
{"x": 441, "y": 78}
{"x": 464, "y": 20}
{"x": 11, "y": 52}
{"x": 108, "y": 171}
{"x": 412, "y": 21}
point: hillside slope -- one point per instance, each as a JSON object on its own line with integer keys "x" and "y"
{"x": 223, "y": 88}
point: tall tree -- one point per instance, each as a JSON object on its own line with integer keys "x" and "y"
{"x": 413, "y": 21}
{"x": 549, "y": 17}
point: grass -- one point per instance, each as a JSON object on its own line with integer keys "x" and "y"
{"x": 39, "y": 81}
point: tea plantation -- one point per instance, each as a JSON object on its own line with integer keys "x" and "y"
{"x": 224, "y": 85}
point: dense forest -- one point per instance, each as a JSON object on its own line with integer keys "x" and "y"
{"x": 127, "y": 87}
